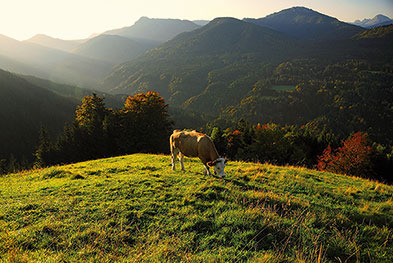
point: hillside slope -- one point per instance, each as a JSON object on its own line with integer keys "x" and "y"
{"x": 51, "y": 63}
{"x": 112, "y": 48}
{"x": 24, "y": 107}
{"x": 136, "y": 209}
{"x": 55, "y": 43}
{"x": 111, "y": 101}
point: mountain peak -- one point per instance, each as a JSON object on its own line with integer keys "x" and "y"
{"x": 37, "y": 36}
{"x": 55, "y": 43}
{"x": 381, "y": 17}
{"x": 297, "y": 9}
{"x": 378, "y": 20}
{"x": 300, "y": 14}
{"x": 157, "y": 29}
{"x": 305, "y": 23}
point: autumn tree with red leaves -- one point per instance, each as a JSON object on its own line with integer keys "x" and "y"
{"x": 353, "y": 158}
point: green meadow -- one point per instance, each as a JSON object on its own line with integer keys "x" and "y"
{"x": 287, "y": 88}
{"x": 136, "y": 209}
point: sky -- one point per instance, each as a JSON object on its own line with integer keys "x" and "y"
{"x": 77, "y": 19}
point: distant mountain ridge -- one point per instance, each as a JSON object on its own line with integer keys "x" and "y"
{"x": 28, "y": 58}
{"x": 201, "y": 22}
{"x": 55, "y": 43}
{"x": 113, "y": 48}
{"x": 155, "y": 29}
{"x": 305, "y": 23}
{"x": 378, "y": 20}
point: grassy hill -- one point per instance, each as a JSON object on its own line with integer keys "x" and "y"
{"x": 136, "y": 209}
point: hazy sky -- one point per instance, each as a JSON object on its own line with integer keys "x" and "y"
{"x": 73, "y": 19}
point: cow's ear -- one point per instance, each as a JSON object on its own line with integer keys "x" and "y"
{"x": 210, "y": 164}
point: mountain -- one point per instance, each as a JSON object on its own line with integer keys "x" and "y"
{"x": 55, "y": 43}
{"x": 30, "y": 58}
{"x": 201, "y": 22}
{"x": 195, "y": 68}
{"x": 378, "y": 20}
{"x": 232, "y": 69}
{"x": 305, "y": 23}
{"x": 114, "y": 49}
{"x": 24, "y": 107}
{"x": 227, "y": 35}
{"x": 155, "y": 29}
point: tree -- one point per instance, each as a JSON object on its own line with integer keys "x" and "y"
{"x": 43, "y": 152}
{"x": 90, "y": 119}
{"x": 353, "y": 158}
{"x": 217, "y": 135}
{"x": 92, "y": 112}
{"x": 145, "y": 123}
{"x": 3, "y": 166}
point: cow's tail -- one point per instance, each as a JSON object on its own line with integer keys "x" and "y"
{"x": 171, "y": 143}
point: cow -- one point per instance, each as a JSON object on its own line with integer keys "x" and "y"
{"x": 195, "y": 144}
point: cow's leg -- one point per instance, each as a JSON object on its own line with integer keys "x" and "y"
{"x": 207, "y": 170}
{"x": 181, "y": 157}
{"x": 173, "y": 157}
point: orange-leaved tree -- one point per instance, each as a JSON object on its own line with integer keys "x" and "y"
{"x": 353, "y": 158}
{"x": 146, "y": 124}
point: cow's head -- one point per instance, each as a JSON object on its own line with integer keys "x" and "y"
{"x": 219, "y": 166}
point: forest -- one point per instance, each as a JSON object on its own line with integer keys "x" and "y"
{"x": 144, "y": 125}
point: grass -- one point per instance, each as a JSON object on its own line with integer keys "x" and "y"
{"x": 136, "y": 209}
{"x": 287, "y": 88}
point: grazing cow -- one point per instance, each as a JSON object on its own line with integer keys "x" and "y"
{"x": 195, "y": 144}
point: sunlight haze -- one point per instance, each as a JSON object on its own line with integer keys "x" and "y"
{"x": 72, "y": 19}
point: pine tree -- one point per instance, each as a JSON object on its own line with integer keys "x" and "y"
{"x": 43, "y": 152}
